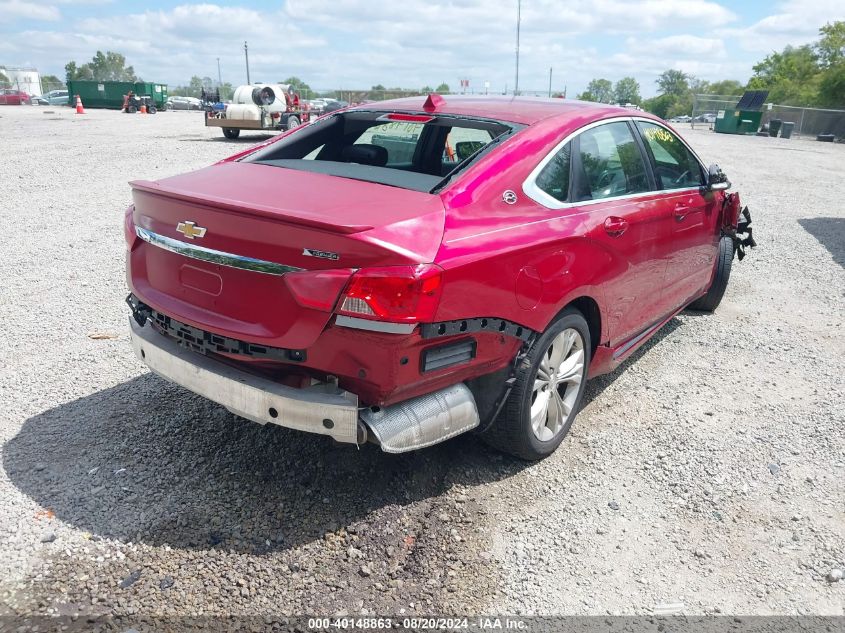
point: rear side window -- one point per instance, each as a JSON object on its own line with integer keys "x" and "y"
{"x": 674, "y": 165}
{"x": 554, "y": 179}
{"x": 611, "y": 162}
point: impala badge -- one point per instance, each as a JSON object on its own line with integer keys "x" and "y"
{"x": 321, "y": 254}
{"x": 190, "y": 230}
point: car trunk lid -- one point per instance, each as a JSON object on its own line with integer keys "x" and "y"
{"x": 229, "y": 248}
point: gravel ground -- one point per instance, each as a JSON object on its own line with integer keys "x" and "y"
{"x": 707, "y": 471}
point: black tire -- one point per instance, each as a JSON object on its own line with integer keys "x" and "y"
{"x": 724, "y": 260}
{"x": 512, "y": 432}
{"x": 292, "y": 122}
{"x": 231, "y": 133}
{"x": 152, "y": 110}
{"x": 131, "y": 109}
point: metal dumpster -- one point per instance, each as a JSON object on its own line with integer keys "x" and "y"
{"x": 745, "y": 117}
{"x": 109, "y": 94}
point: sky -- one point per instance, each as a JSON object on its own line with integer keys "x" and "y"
{"x": 343, "y": 44}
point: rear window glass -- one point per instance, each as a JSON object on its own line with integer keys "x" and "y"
{"x": 415, "y": 151}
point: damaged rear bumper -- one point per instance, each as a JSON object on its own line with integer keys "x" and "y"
{"x": 322, "y": 409}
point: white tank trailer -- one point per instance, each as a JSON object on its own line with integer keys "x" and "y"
{"x": 258, "y": 107}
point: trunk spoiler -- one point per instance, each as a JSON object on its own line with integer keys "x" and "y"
{"x": 275, "y": 213}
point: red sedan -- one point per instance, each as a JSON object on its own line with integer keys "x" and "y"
{"x": 409, "y": 270}
{"x": 9, "y": 96}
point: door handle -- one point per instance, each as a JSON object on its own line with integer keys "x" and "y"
{"x": 681, "y": 211}
{"x": 615, "y": 226}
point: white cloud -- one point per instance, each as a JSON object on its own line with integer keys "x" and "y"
{"x": 684, "y": 46}
{"x": 11, "y": 10}
{"x": 794, "y": 22}
{"x": 357, "y": 43}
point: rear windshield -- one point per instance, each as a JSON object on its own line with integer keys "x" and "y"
{"x": 411, "y": 151}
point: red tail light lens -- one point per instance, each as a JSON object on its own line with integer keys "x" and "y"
{"x": 403, "y": 294}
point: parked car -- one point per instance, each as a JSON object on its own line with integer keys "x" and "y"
{"x": 332, "y": 281}
{"x": 38, "y": 100}
{"x": 681, "y": 119}
{"x": 57, "y": 97}
{"x": 183, "y": 103}
{"x": 10, "y": 96}
{"x": 706, "y": 117}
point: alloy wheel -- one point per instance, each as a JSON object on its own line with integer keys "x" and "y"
{"x": 557, "y": 383}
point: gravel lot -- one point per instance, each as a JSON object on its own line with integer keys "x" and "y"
{"x": 707, "y": 471}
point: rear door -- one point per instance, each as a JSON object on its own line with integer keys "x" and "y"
{"x": 691, "y": 212}
{"x": 611, "y": 182}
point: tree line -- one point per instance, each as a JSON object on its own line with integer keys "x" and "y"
{"x": 811, "y": 75}
{"x": 808, "y": 75}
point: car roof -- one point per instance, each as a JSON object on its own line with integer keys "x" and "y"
{"x": 523, "y": 110}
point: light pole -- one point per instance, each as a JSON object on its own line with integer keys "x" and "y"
{"x": 219, "y": 76}
{"x": 518, "y": 20}
{"x": 550, "y": 82}
{"x": 246, "y": 55}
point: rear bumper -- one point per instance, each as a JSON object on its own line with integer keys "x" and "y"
{"x": 323, "y": 409}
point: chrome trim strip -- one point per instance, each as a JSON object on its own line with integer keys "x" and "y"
{"x": 530, "y": 188}
{"x": 375, "y": 326}
{"x": 212, "y": 256}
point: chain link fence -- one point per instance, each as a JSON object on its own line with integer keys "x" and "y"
{"x": 808, "y": 122}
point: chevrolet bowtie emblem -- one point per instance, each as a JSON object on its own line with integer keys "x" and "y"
{"x": 190, "y": 230}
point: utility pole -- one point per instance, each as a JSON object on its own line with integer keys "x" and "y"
{"x": 550, "y": 82}
{"x": 246, "y": 54}
{"x": 219, "y": 76}
{"x": 518, "y": 20}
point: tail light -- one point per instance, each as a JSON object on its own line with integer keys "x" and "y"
{"x": 403, "y": 294}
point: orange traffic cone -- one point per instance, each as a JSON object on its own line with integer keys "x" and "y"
{"x": 143, "y": 109}
{"x": 79, "y": 108}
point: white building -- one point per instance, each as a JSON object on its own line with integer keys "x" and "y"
{"x": 26, "y": 79}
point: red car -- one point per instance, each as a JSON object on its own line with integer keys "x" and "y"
{"x": 409, "y": 270}
{"x": 9, "y": 96}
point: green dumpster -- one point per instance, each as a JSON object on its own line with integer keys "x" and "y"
{"x": 745, "y": 117}
{"x": 109, "y": 94}
{"x": 737, "y": 121}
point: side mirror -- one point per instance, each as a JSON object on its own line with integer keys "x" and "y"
{"x": 465, "y": 149}
{"x": 716, "y": 179}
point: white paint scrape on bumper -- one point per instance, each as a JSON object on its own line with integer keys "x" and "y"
{"x": 323, "y": 409}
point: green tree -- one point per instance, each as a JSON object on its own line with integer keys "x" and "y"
{"x": 725, "y": 87}
{"x": 108, "y": 66}
{"x": 831, "y": 53}
{"x": 599, "y": 90}
{"x": 378, "y": 88}
{"x": 4, "y": 80}
{"x": 792, "y": 76}
{"x": 627, "y": 90}
{"x": 51, "y": 82}
{"x": 673, "y": 82}
{"x": 82, "y": 72}
{"x": 299, "y": 86}
{"x": 442, "y": 88}
{"x": 226, "y": 91}
{"x": 660, "y": 105}
{"x": 831, "y": 47}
